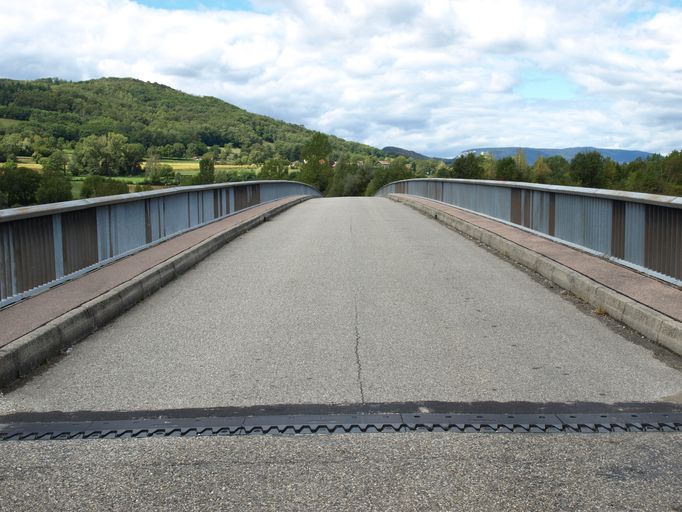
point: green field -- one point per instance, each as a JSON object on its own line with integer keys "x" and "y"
{"x": 9, "y": 123}
{"x": 184, "y": 167}
{"x": 76, "y": 186}
{"x": 131, "y": 180}
{"x": 27, "y": 161}
{"x": 189, "y": 167}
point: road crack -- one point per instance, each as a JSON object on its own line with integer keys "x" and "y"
{"x": 358, "y": 363}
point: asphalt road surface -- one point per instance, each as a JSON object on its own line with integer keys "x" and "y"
{"x": 350, "y": 302}
{"x": 524, "y": 472}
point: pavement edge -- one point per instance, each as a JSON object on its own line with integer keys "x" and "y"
{"x": 25, "y": 354}
{"x": 656, "y": 326}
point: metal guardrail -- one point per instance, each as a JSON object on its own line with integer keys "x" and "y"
{"x": 41, "y": 246}
{"x": 642, "y": 231}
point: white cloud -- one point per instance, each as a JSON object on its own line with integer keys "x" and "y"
{"x": 435, "y": 76}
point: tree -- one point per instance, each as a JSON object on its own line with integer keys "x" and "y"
{"x": 42, "y": 146}
{"x": 104, "y": 155}
{"x": 133, "y": 156}
{"x": 444, "y": 171}
{"x": 315, "y": 170}
{"x": 467, "y": 167}
{"x": 540, "y": 171}
{"x": 672, "y": 173}
{"x": 397, "y": 170}
{"x": 507, "y": 170}
{"x": 54, "y": 187}
{"x": 19, "y": 184}
{"x": 206, "y": 174}
{"x": 11, "y": 146}
{"x": 56, "y": 162}
{"x": 97, "y": 186}
{"x": 235, "y": 176}
{"x": 178, "y": 150}
{"x": 275, "y": 169}
{"x": 348, "y": 179}
{"x": 157, "y": 173}
{"x": 587, "y": 170}
{"x": 196, "y": 148}
{"x": 427, "y": 167}
{"x": 521, "y": 162}
{"x": 559, "y": 170}
{"x": 646, "y": 176}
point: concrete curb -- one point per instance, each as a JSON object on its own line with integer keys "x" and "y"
{"x": 25, "y": 354}
{"x": 656, "y": 326}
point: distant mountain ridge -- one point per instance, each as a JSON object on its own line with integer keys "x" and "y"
{"x": 621, "y": 156}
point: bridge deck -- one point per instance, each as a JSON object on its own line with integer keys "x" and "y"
{"x": 350, "y": 301}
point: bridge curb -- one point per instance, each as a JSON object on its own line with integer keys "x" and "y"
{"x": 656, "y": 326}
{"x": 28, "y": 352}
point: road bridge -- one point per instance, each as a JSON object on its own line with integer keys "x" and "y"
{"x": 347, "y": 308}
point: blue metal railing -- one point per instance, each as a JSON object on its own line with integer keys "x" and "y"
{"x": 642, "y": 231}
{"x": 41, "y": 246}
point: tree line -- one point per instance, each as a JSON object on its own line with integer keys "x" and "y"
{"x": 100, "y": 158}
{"x": 655, "y": 175}
{"x": 351, "y": 176}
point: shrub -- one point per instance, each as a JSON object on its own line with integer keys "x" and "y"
{"x": 97, "y": 186}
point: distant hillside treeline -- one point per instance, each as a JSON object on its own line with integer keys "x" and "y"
{"x": 53, "y": 114}
{"x": 656, "y": 174}
{"x": 621, "y": 156}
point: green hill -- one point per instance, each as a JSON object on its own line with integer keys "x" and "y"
{"x": 150, "y": 114}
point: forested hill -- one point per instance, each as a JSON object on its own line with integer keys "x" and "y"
{"x": 150, "y": 114}
{"x": 394, "y": 151}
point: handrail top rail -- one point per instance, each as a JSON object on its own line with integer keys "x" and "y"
{"x": 621, "y": 195}
{"x": 25, "y": 212}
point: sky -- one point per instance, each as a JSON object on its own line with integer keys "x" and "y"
{"x": 433, "y": 76}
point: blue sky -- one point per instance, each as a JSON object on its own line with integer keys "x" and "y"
{"x": 232, "y": 5}
{"x": 540, "y": 85}
{"x": 434, "y": 76}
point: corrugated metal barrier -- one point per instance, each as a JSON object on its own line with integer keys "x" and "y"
{"x": 643, "y": 231}
{"x": 41, "y": 246}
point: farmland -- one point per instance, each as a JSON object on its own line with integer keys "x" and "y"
{"x": 184, "y": 167}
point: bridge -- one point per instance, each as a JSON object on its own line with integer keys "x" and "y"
{"x": 478, "y": 344}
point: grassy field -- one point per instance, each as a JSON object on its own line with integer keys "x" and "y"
{"x": 131, "y": 180}
{"x": 184, "y": 167}
{"x": 27, "y": 161}
{"x": 9, "y": 123}
{"x": 76, "y": 186}
{"x": 189, "y": 167}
